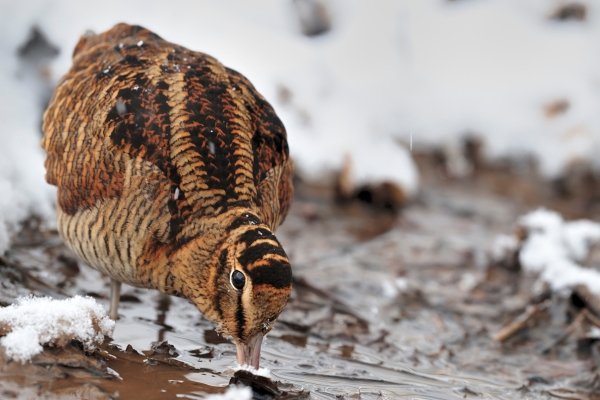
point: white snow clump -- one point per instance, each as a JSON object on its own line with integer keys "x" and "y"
{"x": 554, "y": 247}
{"x": 264, "y": 372}
{"x": 35, "y": 321}
{"x": 233, "y": 393}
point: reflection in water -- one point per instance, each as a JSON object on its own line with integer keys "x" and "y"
{"x": 211, "y": 336}
{"x": 162, "y": 308}
{"x": 300, "y": 363}
{"x": 320, "y": 345}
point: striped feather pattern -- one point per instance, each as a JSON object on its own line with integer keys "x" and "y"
{"x": 172, "y": 172}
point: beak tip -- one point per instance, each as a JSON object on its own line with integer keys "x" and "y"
{"x": 249, "y": 353}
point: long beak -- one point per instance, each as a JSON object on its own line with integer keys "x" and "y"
{"x": 249, "y": 353}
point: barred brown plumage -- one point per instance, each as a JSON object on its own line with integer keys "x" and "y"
{"x": 172, "y": 173}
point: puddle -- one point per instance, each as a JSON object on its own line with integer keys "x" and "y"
{"x": 325, "y": 368}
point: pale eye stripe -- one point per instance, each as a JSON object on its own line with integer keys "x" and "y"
{"x": 257, "y": 264}
{"x": 264, "y": 241}
{"x": 266, "y": 260}
{"x": 276, "y": 257}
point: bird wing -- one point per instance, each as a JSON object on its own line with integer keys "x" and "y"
{"x": 135, "y": 104}
{"x": 273, "y": 169}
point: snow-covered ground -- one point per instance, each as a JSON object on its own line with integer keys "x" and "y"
{"x": 233, "y": 393}
{"x": 34, "y": 321}
{"x": 555, "y": 249}
{"x": 386, "y": 72}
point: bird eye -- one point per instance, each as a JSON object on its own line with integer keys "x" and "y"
{"x": 238, "y": 279}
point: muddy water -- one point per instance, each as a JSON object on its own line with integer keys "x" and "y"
{"x": 383, "y": 307}
{"x": 322, "y": 367}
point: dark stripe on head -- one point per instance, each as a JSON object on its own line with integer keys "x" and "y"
{"x": 259, "y": 251}
{"x": 253, "y": 235}
{"x": 276, "y": 274}
{"x": 240, "y": 317}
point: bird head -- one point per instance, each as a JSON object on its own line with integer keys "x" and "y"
{"x": 247, "y": 287}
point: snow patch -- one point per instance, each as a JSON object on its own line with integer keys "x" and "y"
{"x": 594, "y": 333}
{"x": 553, "y": 248}
{"x": 233, "y": 393}
{"x": 389, "y": 290}
{"x": 261, "y": 371}
{"x": 35, "y": 321}
{"x": 468, "y": 282}
{"x": 503, "y": 246}
{"x": 401, "y": 284}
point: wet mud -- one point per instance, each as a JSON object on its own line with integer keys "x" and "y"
{"x": 385, "y": 305}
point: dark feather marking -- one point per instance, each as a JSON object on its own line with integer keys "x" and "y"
{"x": 220, "y": 270}
{"x": 276, "y": 274}
{"x": 240, "y": 317}
{"x": 259, "y": 251}
{"x": 257, "y": 233}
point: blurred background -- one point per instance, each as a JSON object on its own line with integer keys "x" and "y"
{"x": 368, "y": 80}
{"x": 422, "y": 131}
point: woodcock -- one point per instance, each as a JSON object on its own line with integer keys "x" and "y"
{"x": 173, "y": 172}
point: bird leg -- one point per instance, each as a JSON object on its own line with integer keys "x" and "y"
{"x": 115, "y": 293}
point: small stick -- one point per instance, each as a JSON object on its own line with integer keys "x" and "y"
{"x": 591, "y": 299}
{"x": 571, "y": 329}
{"x": 591, "y": 317}
{"x": 519, "y": 322}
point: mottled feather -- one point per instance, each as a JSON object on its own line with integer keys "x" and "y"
{"x": 172, "y": 171}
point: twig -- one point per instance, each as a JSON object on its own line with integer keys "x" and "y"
{"x": 519, "y": 322}
{"x": 336, "y": 305}
{"x": 571, "y": 329}
{"x": 591, "y": 300}
{"x": 591, "y": 317}
{"x": 574, "y": 326}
